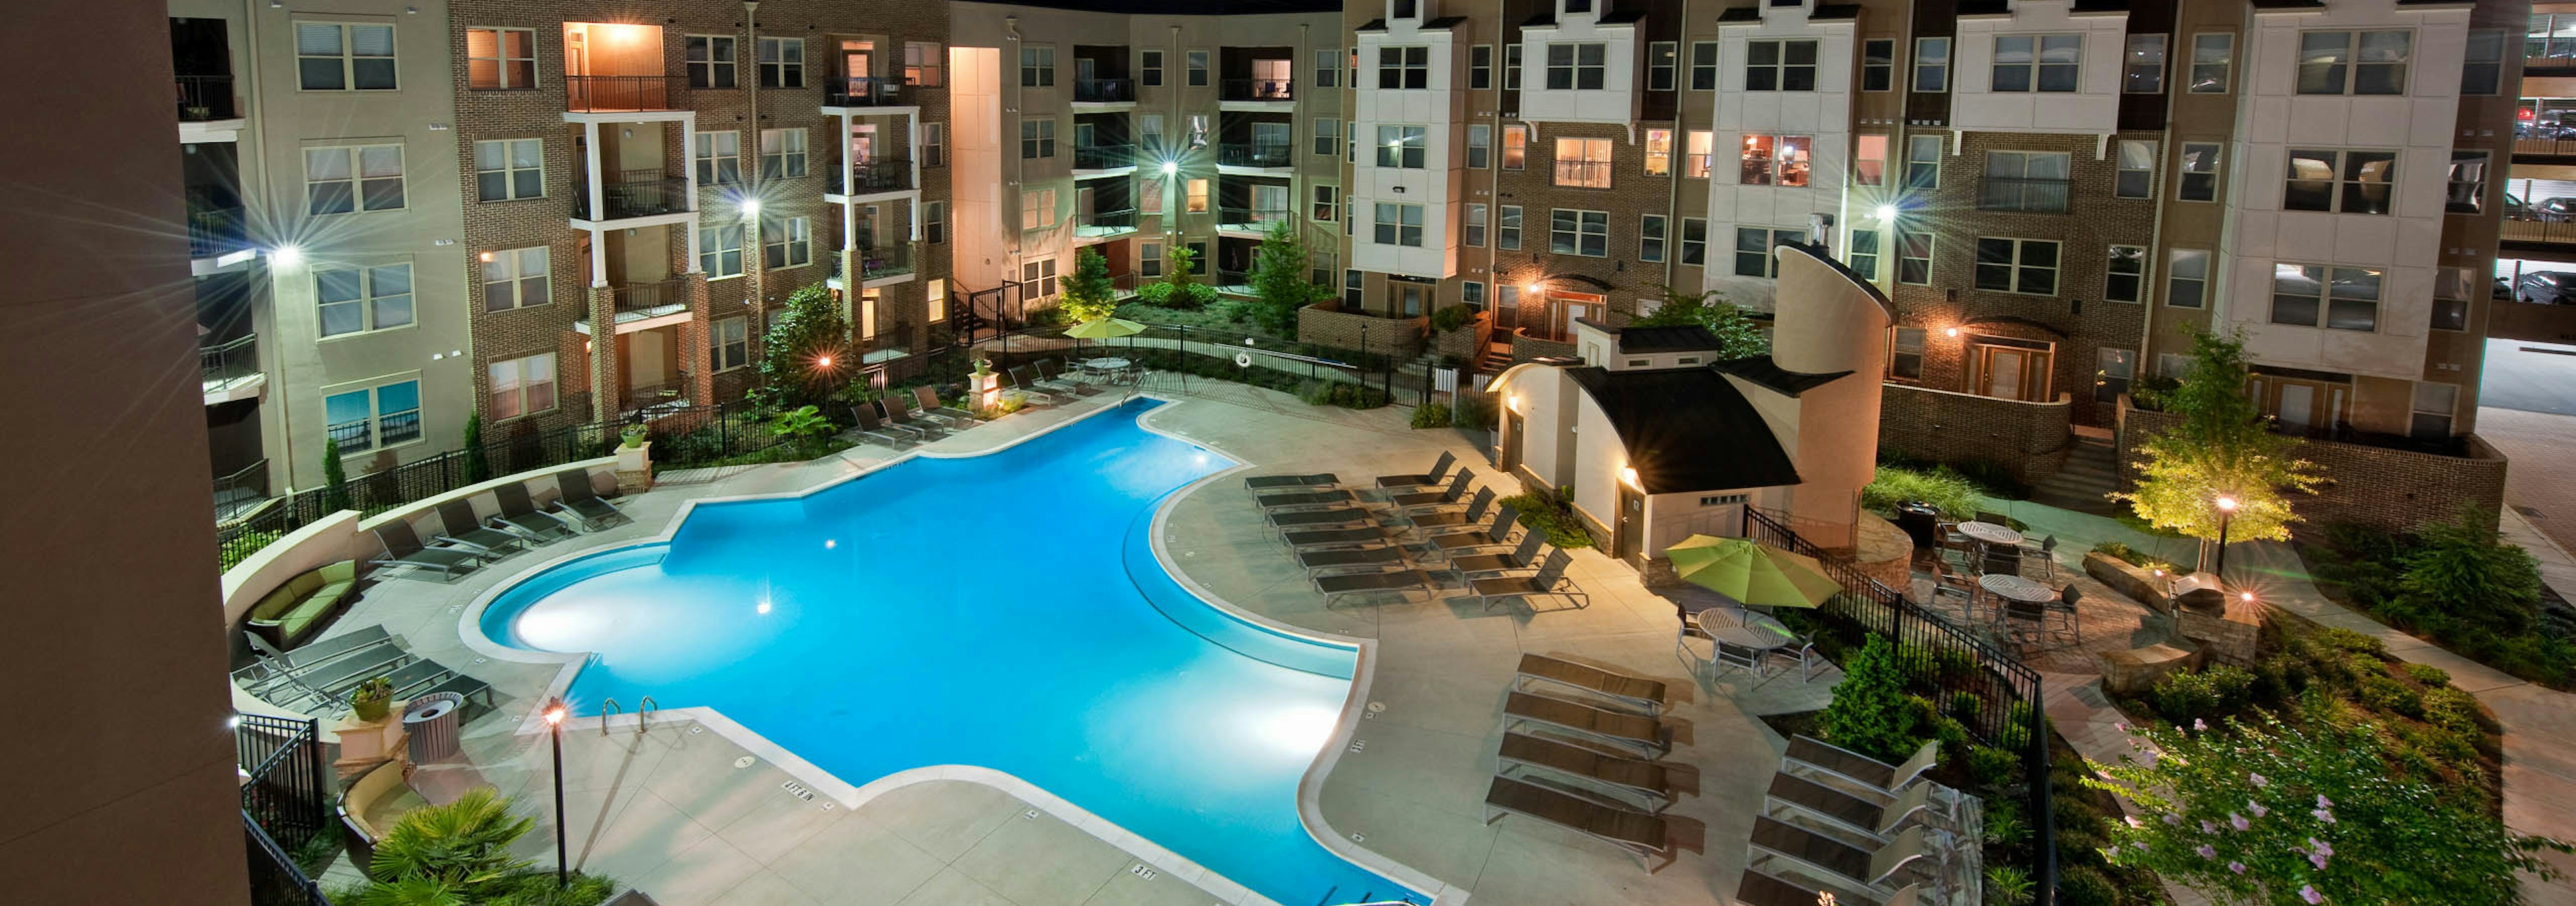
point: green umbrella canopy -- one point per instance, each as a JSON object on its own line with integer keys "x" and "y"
{"x": 1104, "y": 328}
{"x": 1752, "y": 573}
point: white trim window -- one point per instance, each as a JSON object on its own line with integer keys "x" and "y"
{"x": 509, "y": 169}
{"x": 1516, "y": 139}
{"x": 522, "y": 386}
{"x": 1324, "y": 204}
{"x": 1401, "y": 147}
{"x": 369, "y": 418}
{"x": 1480, "y": 146}
{"x": 351, "y": 300}
{"x": 2044, "y": 63}
{"x": 2340, "y": 181}
{"x": 1703, "y": 66}
{"x": 2033, "y": 181}
{"x": 1694, "y": 241}
{"x": 786, "y": 242}
{"x": 1037, "y": 138}
{"x": 1403, "y": 68}
{"x": 2025, "y": 266}
{"x": 1583, "y": 163}
{"x": 1328, "y": 136}
{"x": 1663, "y": 61}
{"x": 2142, "y": 71}
{"x": 2483, "y": 71}
{"x": 2136, "y": 174}
{"x": 1913, "y": 256}
{"x": 1480, "y": 67}
{"x": 729, "y": 343}
{"x": 719, "y": 158}
{"x": 1037, "y": 209}
{"x": 1576, "y": 66}
{"x": 924, "y": 64}
{"x": 1780, "y": 65}
{"x": 1328, "y": 67}
{"x": 2354, "y": 62}
{"x": 338, "y": 56}
{"x": 782, "y": 62}
{"x": 2113, "y": 369}
{"x": 1659, "y": 152}
{"x": 1863, "y": 255}
{"x": 1511, "y": 67}
{"x": 2197, "y": 167}
{"x": 934, "y": 222}
{"x": 1905, "y": 353}
{"x": 1149, "y": 68}
{"x": 1579, "y": 232}
{"x": 720, "y": 249}
{"x": 1932, "y": 65}
{"x": 1777, "y": 160}
{"x": 710, "y": 61}
{"x": 1037, "y": 66}
{"x": 2213, "y": 57}
{"x": 1398, "y": 224}
{"x": 1653, "y": 231}
{"x": 2335, "y": 298}
{"x": 934, "y": 144}
{"x": 353, "y": 178}
{"x": 1507, "y": 227}
{"x": 1869, "y": 160}
{"x": 2125, "y": 279}
{"x": 516, "y": 278}
{"x": 1923, "y": 161}
{"x": 2467, "y": 189}
{"x": 1753, "y": 247}
{"x": 1149, "y": 259}
{"x": 500, "y": 59}
{"x": 1699, "y": 150}
{"x": 782, "y": 153}
{"x": 2187, "y": 278}
{"x": 1878, "y": 64}
{"x": 1472, "y": 225}
{"x": 1195, "y": 66}
{"x": 1037, "y": 279}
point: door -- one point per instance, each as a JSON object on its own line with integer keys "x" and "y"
{"x": 1085, "y": 207}
{"x": 1269, "y": 203}
{"x": 577, "y": 52}
{"x": 1630, "y": 534}
{"x": 2005, "y": 371}
{"x": 1085, "y": 70}
{"x": 863, "y": 143}
{"x": 1270, "y": 144}
{"x": 2004, "y": 368}
{"x": 1571, "y": 307}
{"x": 2298, "y": 406}
{"x": 868, "y": 226}
{"x": 857, "y": 62}
{"x": 1513, "y": 433}
{"x": 1410, "y": 296}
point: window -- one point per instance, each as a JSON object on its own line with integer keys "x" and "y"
{"x": 1037, "y": 209}
{"x": 330, "y": 56}
{"x": 1037, "y": 66}
{"x": 2211, "y": 56}
{"x": 1777, "y": 160}
{"x": 1703, "y": 66}
{"x": 2354, "y": 62}
{"x": 2031, "y": 181}
{"x": 1472, "y": 293}
{"x": 1400, "y": 146}
{"x": 1507, "y": 227}
{"x": 1399, "y": 224}
{"x": 786, "y": 242}
{"x": 720, "y": 249}
{"x": 1922, "y": 161}
{"x": 1662, "y": 57}
{"x": 1328, "y": 139}
{"x": 1324, "y": 206}
{"x": 1863, "y": 256}
{"x": 2017, "y": 266}
{"x": 351, "y": 300}
{"x": 1576, "y": 66}
{"x": 2348, "y": 182}
{"x": 1780, "y": 66}
{"x": 1515, "y": 146}
{"x": 934, "y": 222}
{"x": 935, "y": 299}
{"x": 1694, "y": 240}
{"x": 1328, "y": 67}
{"x": 1037, "y": 279}
{"x": 923, "y": 64}
{"x": 1480, "y": 67}
{"x": 2187, "y": 278}
{"x": 1651, "y": 232}
{"x": 2112, "y": 369}
{"x": 360, "y": 178}
{"x": 1149, "y": 68}
{"x": 1354, "y": 289}
{"x": 782, "y": 63}
{"x": 2126, "y": 278}
{"x": 2199, "y": 166}
{"x": 2137, "y": 170}
{"x": 782, "y": 153}
{"x": 2347, "y": 297}
{"x": 2468, "y": 184}
{"x": 1197, "y": 63}
{"x": 2451, "y": 289}
{"x": 1473, "y": 228}
{"x": 1583, "y": 163}
{"x": 1931, "y": 64}
{"x": 1512, "y": 67}
{"x": 1149, "y": 259}
{"x": 2143, "y": 71}
{"x": 934, "y": 144}
{"x": 1698, "y": 148}
{"x": 511, "y": 169}
{"x": 1149, "y": 130}
{"x": 1572, "y": 232}
{"x": 710, "y": 61}
{"x": 1905, "y": 353}
{"x": 524, "y": 385}
{"x": 1149, "y": 197}
{"x": 729, "y": 344}
{"x": 499, "y": 59}
{"x": 2037, "y": 62}
{"x": 2434, "y": 404}
{"x": 1196, "y": 201}
{"x": 1198, "y": 130}
{"x": 1403, "y": 67}
{"x": 1877, "y": 65}
{"x": 1753, "y": 250}
{"x": 1480, "y": 146}
{"x": 719, "y": 158}
{"x": 1869, "y": 160}
{"x": 515, "y": 278}
{"x": 1913, "y": 257}
{"x": 2483, "y": 71}
{"x": 1037, "y": 138}
{"x": 373, "y": 417}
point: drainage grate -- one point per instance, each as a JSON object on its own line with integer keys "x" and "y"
{"x": 797, "y": 790}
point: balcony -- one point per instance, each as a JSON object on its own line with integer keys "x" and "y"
{"x": 2028, "y": 195}
{"x": 670, "y": 391}
{"x": 1250, "y": 220}
{"x": 884, "y": 262}
{"x": 624, "y": 93}
{"x": 230, "y": 370}
{"x": 241, "y": 493}
{"x": 862, "y": 91}
{"x": 1105, "y": 223}
{"x": 643, "y": 306}
{"x": 633, "y": 193}
{"x": 206, "y": 98}
{"x": 873, "y": 177}
{"x": 1103, "y": 157}
{"x": 1238, "y": 154}
{"x": 1104, "y": 91}
{"x": 1258, "y": 90}
{"x": 216, "y": 230}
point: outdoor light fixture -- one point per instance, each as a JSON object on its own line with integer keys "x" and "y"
{"x": 1171, "y": 166}
{"x": 2248, "y": 597}
{"x": 1886, "y": 212}
{"x": 1629, "y": 475}
{"x": 555, "y": 712}
{"x": 486, "y": 256}
{"x": 286, "y": 254}
{"x": 825, "y": 361}
{"x": 750, "y": 208}
{"x": 1951, "y": 332}
{"x": 2226, "y": 510}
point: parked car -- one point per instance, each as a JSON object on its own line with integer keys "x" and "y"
{"x": 2546, "y": 288}
{"x": 2555, "y": 210}
{"x": 2514, "y": 208}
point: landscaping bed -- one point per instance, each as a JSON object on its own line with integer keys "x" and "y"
{"x": 2455, "y": 584}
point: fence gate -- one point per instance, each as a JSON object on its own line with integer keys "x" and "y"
{"x": 286, "y": 790}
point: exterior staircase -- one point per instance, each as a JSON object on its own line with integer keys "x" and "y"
{"x": 1498, "y": 356}
{"x": 2091, "y": 471}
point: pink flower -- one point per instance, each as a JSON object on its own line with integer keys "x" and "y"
{"x": 2207, "y": 851}
{"x": 2320, "y": 847}
{"x": 2323, "y": 802}
{"x": 2199, "y": 724}
{"x": 2238, "y": 821}
{"x": 2133, "y": 821}
{"x": 2258, "y": 809}
{"x": 2122, "y": 726}
{"x": 2173, "y": 819}
{"x": 2310, "y": 894}
{"x": 2259, "y": 782}
{"x": 2208, "y": 828}
{"x": 2141, "y": 845}
{"x": 2318, "y": 860}
{"x": 2323, "y": 815}
{"x": 2237, "y": 867}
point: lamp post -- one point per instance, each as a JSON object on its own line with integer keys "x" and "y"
{"x": 830, "y": 383}
{"x": 554, "y": 727}
{"x": 2226, "y": 511}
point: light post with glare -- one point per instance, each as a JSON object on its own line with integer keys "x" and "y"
{"x": 554, "y": 727}
{"x": 824, "y": 362}
{"x": 2226, "y": 510}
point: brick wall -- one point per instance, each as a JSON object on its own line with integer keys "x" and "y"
{"x": 1466, "y": 344}
{"x": 2028, "y": 439}
{"x": 1526, "y": 347}
{"x": 2396, "y": 490}
{"x": 1325, "y": 324}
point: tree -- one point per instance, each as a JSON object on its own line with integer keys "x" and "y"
{"x": 1870, "y": 712}
{"x": 1279, "y": 282}
{"x": 810, "y": 329}
{"x": 477, "y": 467}
{"x": 335, "y": 478}
{"x": 2223, "y": 447}
{"x": 1739, "y": 336}
{"x": 1087, "y": 294}
{"x": 2274, "y": 814}
{"x": 2464, "y": 568}
{"x": 1180, "y": 266}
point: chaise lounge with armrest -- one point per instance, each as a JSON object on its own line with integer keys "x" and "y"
{"x": 1649, "y": 696}
{"x": 1761, "y": 888}
{"x": 465, "y": 530}
{"x": 1643, "y": 835}
{"x": 1260, "y": 483}
{"x": 1652, "y": 780}
{"x": 1792, "y": 794}
{"x": 582, "y": 500}
{"x": 1439, "y": 471}
{"x": 289, "y": 613}
{"x": 1871, "y": 774}
{"x": 403, "y": 548}
{"x": 519, "y": 514}
{"x": 1870, "y": 869}
{"x": 929, "y": 400}
{"x": 1619, "y": 728}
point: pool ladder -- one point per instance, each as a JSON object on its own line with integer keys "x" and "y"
{"x": 644, "y": 711}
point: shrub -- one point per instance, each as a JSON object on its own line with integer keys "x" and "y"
{"x": 1948, "y": 491}
{"x": 2007, "y": 885}
{"x": 459, "y": 853}
{"x": 1869, "y": 713}
{"x": 1473, "y": 410}
{"x": 2004, "y": 824}
{"x": 2019, "y": 721}
{"x": 1155, "y": 294}
{"x": 1554, "y": 519}
{"x": 2215, "y": 692}
{"x": 2429, "y": 675}
{"x": 1991, "y": 766}
{"x": 1966, "y": 705}
{"x": 2464, "y": 568}
{"x": 2455, "y": 710}
{"x": 2348, "y": 640}
{"x": 2085, "y": 885}
{"x": 1431, "y": 415}
{"x": 2380, "y": 693}
{"x": 1452, "y": 317}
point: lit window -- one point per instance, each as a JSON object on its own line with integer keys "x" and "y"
{"x": 500, "y": 58}
{"x": 1777, "y": 160}
{"x": 2347, "y": 182}
{"x": 1583, "y": 163}
{"x": 515, "y": 278}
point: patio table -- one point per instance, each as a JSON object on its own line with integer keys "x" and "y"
{"x": 2016, "y": 588}
{"x": 1112, "y": 366}
{"x": 1989, "y": 533}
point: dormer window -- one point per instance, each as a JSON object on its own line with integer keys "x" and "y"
{"x": 1406, "y": 9}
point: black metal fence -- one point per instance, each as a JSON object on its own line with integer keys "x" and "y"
{"x": 1940, "y": 661}
{"x": 274, "y": 878}
{"x": 285, "y": 793}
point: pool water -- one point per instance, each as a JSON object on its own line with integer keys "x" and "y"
{"x": 1004, "y": 611}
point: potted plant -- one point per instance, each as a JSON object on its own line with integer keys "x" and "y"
{"x": 371, "y": 698}
{"x": 635, "y": 452}
{"x": 983, "y": 367}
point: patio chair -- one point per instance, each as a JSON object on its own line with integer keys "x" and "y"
{"x": 2021, "y": 622}
{"x": 1869, "y": 868}
{"x": 1549, "y": 581}
{"x": 1526, "y": 556}
{"x": 1643, "y": 835}
{"x": 464, "y": 686}
{"x": 1957, "y": 550}
{"x": 403, "y": 549}
{"x": 901, "y": 419}
{"x": 465, "y": 530}
{"x": 1618, "y": 728}
{"x": 410, "y": 679}
{"x": 1027, "y": 386}
{"x": 1826, "y": 758}
{"x": 1407, "y": 581}
{"x": 1474, "y": 513}
{"x": 2060, "y": 615}
{"x": 1452, "y": 495}
{"x": 2002, "y": 558}
{"x": 1341, "y": 537}
{"x": 1347, "y": 557}
{"x": 928, "y": 399}
{"x": 1282, "y": 521}
{"x": 1790, "y": 793}
{"x": 1288, "y": 499}
{"x": 1649, "y": 696}
{"x": 873, "y": 428}
{"x": 519, "y": 514}
{"x": 866, "y": 410}
{"x": 1760, "y": 888}
{"x": 2047, "y": 554}
{"x": 1439, "y": 470}
{"x": 1050, "y": 374}
{"x": 1952, "y": 586}
{"x": 1260, "y": 483}
{"x": 1650, "y": 780}
{"x": 582, "y": 500}
{"x": 1497, "y": 533}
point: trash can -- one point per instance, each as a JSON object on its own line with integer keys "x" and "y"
{"x": 431, "y": 721}
{"x": 1919, "y": 520}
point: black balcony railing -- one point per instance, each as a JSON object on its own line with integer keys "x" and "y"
{"x": 633, "y": 193}
{"x": 1099, "y": 223}
{"x": 1588, "y": 174}
{"x": 884, "y": 261}
{"x": 862, "y": 91}
{"x": 1103, "y": 157}
{"x": 1255, "y": 154}
{"x": 1258, "y": 90}
{"x": 240, "y": 492}
{"x": 2015, "y": 193}
{"x": 646, "y": 300}
{"x": 596, "y": 93}
{"x": 229, "y": 362}
{"x": 1250, "y": 218}
{"x": 670, "y": 390}
{"x": 1103, "y": 91}
{"x": 216, "y": 230}
{"x": 878, "y": 175}
{"x": 205, "y": 97}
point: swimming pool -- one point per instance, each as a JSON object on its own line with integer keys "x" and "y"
{"x": 1004, "y": 611}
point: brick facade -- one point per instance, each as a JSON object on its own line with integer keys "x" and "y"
{"x": 2029, "y": 440}
{"x": 2396, "y": 490}
{"x": 1325, "y": 324}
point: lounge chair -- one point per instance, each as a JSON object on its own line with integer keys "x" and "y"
{"x": 1549, "y": 581}
{"x": 1453, "y": 495}
{"x": 1643, "y": 835}
{"x": 1027, "y": 386}
{"x": 1345, "y": 558}
{"x": 884, "y": 422}
{"x": 465, "y": 530}
{"x": 1439, "y": 471}
{"x": 900, "y": 419}
{"x": 1477, "y": 507}
{"x": 519, "y": 514}
{"x": 273, "y": 674}
{"x": 1869, "y": 869}
{"x": 464, "y": 686}
{"x": 1649, "y": 696}
{"x": 1407, "y": 581}
{"x": 403, "y": 548}
{"x": 582, "y": 500}
{"x": 1052, "y": 377}
{"x": 1792, "y": 793}
{"x": 914, "y": 412}
{"x": 1341, "y": 537}
{"x": 874, "y": 428}
{"x": 929, "y": 400}
{"x": 1497, "y": 533}
{"x": 1763, "y": 889}
{"x": 1307, "y": 519}
{"x": 1620, "y": 728}
{"x": 1526, "y": 556}
{"x": 1648, "y": 779}
{"x": 409, "y": 680}
{"x": 1260, "y": 483}
{"x": 1826, "y": 758}
{"x": 1306, "y": 498}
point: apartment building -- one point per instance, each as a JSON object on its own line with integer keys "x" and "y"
{"x": 323, "y": 230}
{"x": 1136, "y": 132}
{"x": 645, "y": 190}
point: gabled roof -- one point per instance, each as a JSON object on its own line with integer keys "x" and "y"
{"x": 1763, "y": 371}
{"x": 1687, "y": 429}
{"x": 1443, "y": 23}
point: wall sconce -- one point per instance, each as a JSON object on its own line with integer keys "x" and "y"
{"x": 1629, "y": 476}
{"x": 1952, "y": 333}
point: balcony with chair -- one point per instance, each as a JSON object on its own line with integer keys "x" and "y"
{"x": 882, "y": 264}
{"x": 875, "y": 177}
{"x": 643, "y": 306}
{"x": 2031, "y": 195}
{"x": 206, "y": 98}
{"x": 631, "y": 194}
{"x": 1258, "y": 90}
{"x": 1256, "y": 78}
{"x": 625, "y": 93}
{"x": 862, "y": 91}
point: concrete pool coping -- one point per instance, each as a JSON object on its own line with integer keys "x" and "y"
{"x": 1310, "y": 782}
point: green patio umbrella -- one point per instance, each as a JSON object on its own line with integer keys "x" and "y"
{"x": 1104, "y": 328}
{"x": 1752, "y": 573}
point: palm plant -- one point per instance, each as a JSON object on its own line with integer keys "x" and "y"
{"x": 463, "y": 845}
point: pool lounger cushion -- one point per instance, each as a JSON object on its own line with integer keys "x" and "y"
{"x": 1649, "y": 696}
{"x": 1439, "y": 470}
{"x": 1616, "y": 727}
{"x": 1641, "y": 834}
{"x": 1653, "y": 780}
{"x": 1827, "y": 803}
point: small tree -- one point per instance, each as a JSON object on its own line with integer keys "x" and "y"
{"x": 2463, "y": 567}
{"x": 477, "y": 467}
{"x": 2224, "y": 447}
{"x": 335, "y": 478}
{"x": 1279, "y": 282}
{"x": 1180, "y": 266}
{"x": 1870, "y": 713}
{"x": 791, "y": 353}
{"x": 1739, "y": 336}
{"x": 1087, "y": 294}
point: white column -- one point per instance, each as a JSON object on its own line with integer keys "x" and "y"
{"x": 599, "y": 257}
{"x": 598, "y": 182}
{"x": 912, "y": 140}
{"x": 689, "y": 169}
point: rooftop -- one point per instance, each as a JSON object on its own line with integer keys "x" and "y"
{"x": 1687, "y": 429}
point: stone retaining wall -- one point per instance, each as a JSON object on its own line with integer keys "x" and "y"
{"x": 2027, "y": 439}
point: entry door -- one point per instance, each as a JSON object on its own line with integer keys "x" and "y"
{"x": 1571, "y": 306}
{"x": 1270, "y": 135}
{"x": 857, "y": 58}
{"x": 2298, "y": 406}
{"x": 2004, "y": 368}
{"x": 577, "y": 52}
{"x": 1410, "y": 295}
{"x": 1085, "y": 135}
{"x": 1084, "y": 206}
{"x": 1631, "y": 531}
{"x": 2010, "y": 372}
{"x": 1515, "y": 434}
{"x": 868, "y": 313}
{"x": 1269, "y": 203}
{"x": 863, "y": 143}
{"x": 648, "y": 359}
{"x": 1084, "y": 70}
{"x": 868, "y": 225}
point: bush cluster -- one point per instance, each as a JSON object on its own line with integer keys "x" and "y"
{"x": 1941, "y": 486}
{"x": 2459, "y": 584}
{"x": 1552, "y": 517}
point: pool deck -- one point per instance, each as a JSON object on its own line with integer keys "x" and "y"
{"x": 669, "y": 812}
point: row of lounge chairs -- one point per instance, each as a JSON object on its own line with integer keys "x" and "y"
{"x": 1386, "y": 536}
{"x": 1837, "y": 821}
{"x": 1591, "y": 766}
{"x": 909, "y": 417}
{"x": 466, "y": 540}
{"x": 318, "y": 677}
